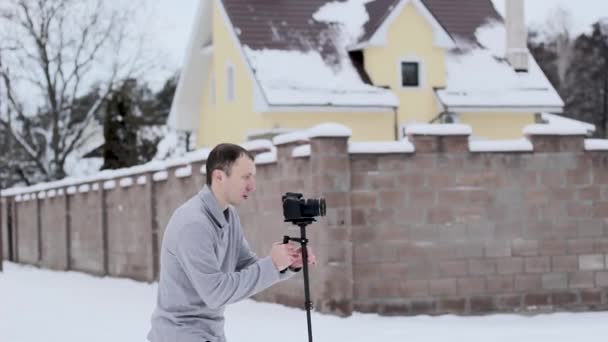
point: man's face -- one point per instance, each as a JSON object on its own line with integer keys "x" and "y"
{"x": 241, "y": 182}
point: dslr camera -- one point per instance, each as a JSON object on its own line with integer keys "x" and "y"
{"x": 298, "y": 209}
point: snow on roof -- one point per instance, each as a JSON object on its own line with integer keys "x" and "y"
{"x": 296, "y": 78}
{"x": 518, "y": 145}
{"x": 482, "y": 77}
{"x": 352, "y": 15}
{"x": 545, "y": 129}
{"x": 438, "y": 129}
{"x": 596, "y": 144}
{"x": 379, "y": 147}
{"x": 316, "y": 81}
{"x": 558, "y": 120}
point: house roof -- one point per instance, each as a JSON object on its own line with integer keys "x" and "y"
{"x": 289, "y": 25}
{"x": 479, "y": 78}
{"x": 278, "y": 35}
{"x": 316, "y": 35}
{"x": 459, "y": 19}
{"x": 300, "y": 54}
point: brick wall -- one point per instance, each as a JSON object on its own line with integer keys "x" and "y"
{"x": 53, "y": 233}
{"x": 27, "y": 233}
{"x": 440, "y": 230}
{"x": 3, "y": 232}
{"x": 87, "y": 231}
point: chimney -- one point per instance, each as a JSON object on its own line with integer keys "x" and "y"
{"x": 517, "y": 35}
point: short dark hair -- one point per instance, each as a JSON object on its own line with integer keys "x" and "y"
{"x": 222, "y": 157}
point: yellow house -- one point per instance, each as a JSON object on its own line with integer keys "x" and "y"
{"x": 256, "y": 68}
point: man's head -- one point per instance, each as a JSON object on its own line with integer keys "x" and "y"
{"x": 231, "y": 173}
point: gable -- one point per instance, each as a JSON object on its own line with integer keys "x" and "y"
{"x": 376, "y": 32}
{"x": 459, "y": 19}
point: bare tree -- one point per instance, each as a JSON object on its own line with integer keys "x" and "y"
{"x": 52, "y": 54}
{"x": 558, "y": 30}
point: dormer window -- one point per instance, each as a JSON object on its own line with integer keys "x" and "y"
{"x": 410, "y": 74}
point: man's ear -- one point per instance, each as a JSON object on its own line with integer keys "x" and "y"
{"x": 218, "y": 175}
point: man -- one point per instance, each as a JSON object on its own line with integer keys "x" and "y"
{"x": 205, "y": 260}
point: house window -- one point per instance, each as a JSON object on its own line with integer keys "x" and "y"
{"x": 230, "y": 83}
{"x": 410, "y": 74}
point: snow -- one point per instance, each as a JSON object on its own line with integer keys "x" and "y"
{"x": 52, "y": 193}
{"x": 109, "y": 185}
{"x": 313, "y": 82}
{"x": 184, "y": 172}
{"x": 545, "y": 129}
{"x": 329, "y": 130}
{"x": 257, "y": 145}
{"x": 596, "y": 144}
{"x": 266, "y": 158}
{"x": 381, "y": 147}
{"x": 438, "y": 129}
{"x": 517, "y": 145}
{"x": 287, "y": 138}
{"x": 153, "y": 166}
{"x": 481, "y": 77}
{"x": 203, "y": 169}
{"x": 141, "y": 180}
{"x": 71, "y": 190}
{"x": 76, "y": 166}
{"x": 160, "y": 176}
{"x": 84, "y": 188}
{"x": 41, "y": 194}
{"x": 301, "y": 151}
{"x": 126, "y": 182}
{"x": 168, "y": 145}
{"x": 351, "y": 14}
{"x": 558, "y": 120}
{"x": 75, "y": 307}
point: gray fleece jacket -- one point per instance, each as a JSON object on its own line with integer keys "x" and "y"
{"x": 205, "y": 264}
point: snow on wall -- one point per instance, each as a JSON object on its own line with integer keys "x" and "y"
{"x": 126, "y": 177}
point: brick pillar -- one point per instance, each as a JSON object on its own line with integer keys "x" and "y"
{"x": 550, "y": 140}
{"x": 440, "y": 138}
{"x": 153, "y": 250}
{"x": 154, "y": 224}
{"x": 331, "y": 179}
{"x": 68, "y": 226}
{"x": 2, "y": 229}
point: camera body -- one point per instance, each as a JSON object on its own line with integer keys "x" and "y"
{"x": 296, "y": 208}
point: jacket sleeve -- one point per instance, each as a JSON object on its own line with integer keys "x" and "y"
{"x": 247, "y": 257}
{"x": 195, "y": 252}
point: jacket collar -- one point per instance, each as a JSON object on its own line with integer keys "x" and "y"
{"x": 212, "y": 207}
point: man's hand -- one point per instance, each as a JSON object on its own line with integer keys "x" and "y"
{"x": 298, "y": 261}
{"x": 283, "y": 255}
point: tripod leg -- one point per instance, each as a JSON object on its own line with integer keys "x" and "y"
{"x": 308, "y": 303}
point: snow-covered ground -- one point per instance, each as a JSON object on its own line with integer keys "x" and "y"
{"x": 41, "y": 305}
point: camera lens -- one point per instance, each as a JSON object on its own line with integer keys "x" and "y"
{"x": 318, "y": 206}
{"x": 322, "y": 207}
